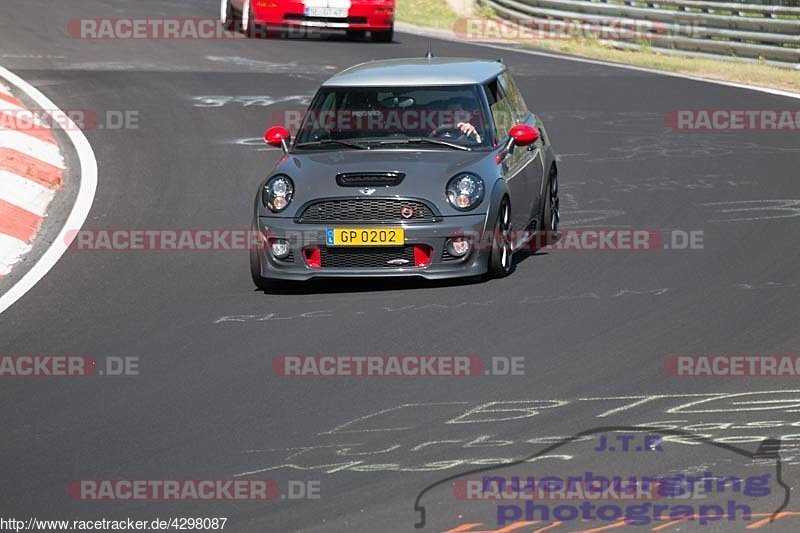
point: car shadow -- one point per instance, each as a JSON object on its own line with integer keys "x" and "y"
{"x": 357, "y": 285}
{"x": 307, "y": 34}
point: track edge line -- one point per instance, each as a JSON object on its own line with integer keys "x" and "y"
{"x": 80, "y": 209}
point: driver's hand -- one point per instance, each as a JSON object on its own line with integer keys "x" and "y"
{"x": 467, "y": 128}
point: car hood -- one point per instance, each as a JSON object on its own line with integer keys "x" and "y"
{"x": 426, "y": 171}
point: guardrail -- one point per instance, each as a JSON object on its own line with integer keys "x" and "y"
{"x": 752, "y": 31}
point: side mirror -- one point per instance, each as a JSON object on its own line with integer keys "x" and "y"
{"x": 278, "y": 136}
{"x": 523, "y": 134}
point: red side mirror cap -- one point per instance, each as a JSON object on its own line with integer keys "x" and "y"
{"x": 524, "y": 135}
{"x": 276, "y": 136}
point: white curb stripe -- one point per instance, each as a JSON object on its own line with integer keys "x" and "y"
{"x": 10, "y": 251}
{"x": 5, "y": 105}
{"x": 17, "y": 115}
{"x": 33, "y": 147}
{"x": 83, "y": 201}
{"x": 25, "y": 193}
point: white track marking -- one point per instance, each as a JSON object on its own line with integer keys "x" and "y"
{"x": 14, "y": 115}
{"x": 44, "y": 151}
{"x": 5, "y": 105}
{"x": 83, "y": 201}
{"x": 25, "y": 193}
{"x": 10, "y": 251}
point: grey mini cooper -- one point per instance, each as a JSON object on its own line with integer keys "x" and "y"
{"x": 428, "y": 167}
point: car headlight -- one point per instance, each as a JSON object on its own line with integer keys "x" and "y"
{"x": 278, "y": 193}
{"x": 465, "y": 191}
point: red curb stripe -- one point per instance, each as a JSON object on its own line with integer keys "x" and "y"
{"x": 18, "y": 222}
{"x": 10, "y": 99}
{"x": 31, "y": 168}
{"x": 43, "y": 133}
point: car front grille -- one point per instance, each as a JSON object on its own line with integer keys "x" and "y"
{"x": 383, "y": 210}
{"x": 366, "y": 257}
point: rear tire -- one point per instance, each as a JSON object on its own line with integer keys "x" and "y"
{"x": 501, "y": 255}
{"x": 247, "y": 23}
{"x": 227, "y": 18}
{"x": 382, "y": 36}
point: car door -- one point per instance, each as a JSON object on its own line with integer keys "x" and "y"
{"x": 514, "y": 163}
{"x": 530, "y": 157}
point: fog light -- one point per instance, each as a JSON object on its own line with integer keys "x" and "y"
{"x": 457, "y": 246}
{"x": 280, "y": 249}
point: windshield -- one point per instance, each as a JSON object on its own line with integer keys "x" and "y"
{"x": 394, "y": 117}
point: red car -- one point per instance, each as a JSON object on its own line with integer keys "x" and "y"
{"x": 356, "y": 17}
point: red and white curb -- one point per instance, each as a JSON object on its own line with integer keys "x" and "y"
{"x": 32, "y": 169}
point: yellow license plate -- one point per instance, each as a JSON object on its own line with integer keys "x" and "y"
{"x": 365, "y": 237}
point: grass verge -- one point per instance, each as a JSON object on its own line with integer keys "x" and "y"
{"x": 438, "y": 14}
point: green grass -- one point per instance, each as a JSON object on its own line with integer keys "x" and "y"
{"x": 439, "y": 14}
{"x": 430, "y": 13}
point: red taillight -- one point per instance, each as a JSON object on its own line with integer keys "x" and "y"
{"x": 422, "y": 255}
{"x": 312, "y": 257}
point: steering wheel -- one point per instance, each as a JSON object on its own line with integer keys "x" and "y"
{"x": 448, "y": 132}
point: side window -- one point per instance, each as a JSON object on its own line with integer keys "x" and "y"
{"x": 502, "y": 114}
{"x": 517, "y": 102}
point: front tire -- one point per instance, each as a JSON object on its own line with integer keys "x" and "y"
{"x": 501, "y": 255}
{"x": 550, "y": 210}
{"x": 382, "y": 36}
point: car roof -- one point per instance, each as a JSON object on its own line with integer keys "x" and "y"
{"x": 418, "y": 72}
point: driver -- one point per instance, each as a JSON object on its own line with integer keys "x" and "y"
{"x": 456, "y": 107}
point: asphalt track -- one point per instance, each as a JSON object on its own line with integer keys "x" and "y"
{"x": 592, "y": 326}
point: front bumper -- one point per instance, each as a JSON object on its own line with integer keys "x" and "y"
{"x": 433, "y": 235}
{"x": 360, "y": 17}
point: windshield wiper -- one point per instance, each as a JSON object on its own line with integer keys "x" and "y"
{"x": 334, "y": 141}
{"x": 428, "y": 140}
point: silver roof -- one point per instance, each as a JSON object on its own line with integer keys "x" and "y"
{"x": 417, "y": 72}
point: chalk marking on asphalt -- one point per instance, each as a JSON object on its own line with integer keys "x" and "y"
{"x": 80, "y": 209}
